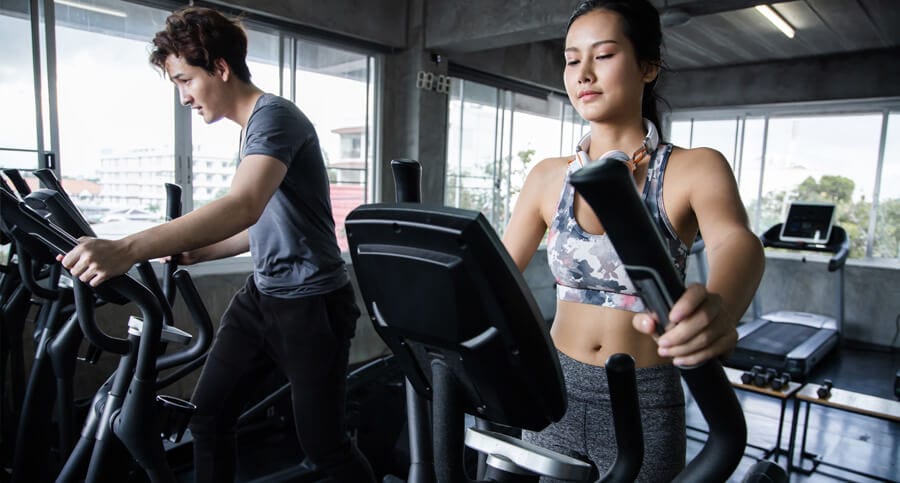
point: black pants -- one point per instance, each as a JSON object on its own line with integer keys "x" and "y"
{"x": 307, "y": 338}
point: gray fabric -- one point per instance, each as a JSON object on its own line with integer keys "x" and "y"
{"x": 293, "y": 245}
{"x": 586, "y": 431}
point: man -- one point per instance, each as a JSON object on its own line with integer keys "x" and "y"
{"x": 297, "y": 311}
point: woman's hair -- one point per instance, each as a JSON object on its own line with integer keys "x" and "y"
{"x": 640, "y": 24}
{"x": 201, "y": 36}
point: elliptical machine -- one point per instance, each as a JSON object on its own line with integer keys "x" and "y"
{"x": 472, "y": 341}
{"x": 126, "y": 409}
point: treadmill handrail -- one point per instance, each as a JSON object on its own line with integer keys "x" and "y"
{"x": 609, "y": 188}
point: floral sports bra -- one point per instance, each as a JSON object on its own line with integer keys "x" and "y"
{"x": 586, "y": 266}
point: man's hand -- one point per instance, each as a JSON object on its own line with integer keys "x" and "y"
{"x": 94, "y": 260}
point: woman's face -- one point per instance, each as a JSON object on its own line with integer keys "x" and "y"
{"x": 602, "y": 76}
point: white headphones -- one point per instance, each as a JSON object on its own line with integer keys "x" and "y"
{"x": 649, "y": 145}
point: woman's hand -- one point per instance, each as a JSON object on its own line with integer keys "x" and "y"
{"x": 700, "y": 328}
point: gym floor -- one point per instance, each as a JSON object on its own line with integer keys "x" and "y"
{"x": 840, "y": 438}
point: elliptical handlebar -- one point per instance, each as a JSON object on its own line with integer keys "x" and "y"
{"x": 173, "y": 210}
{"x": 21, "y": 216}
{"x": 609, "y": 188}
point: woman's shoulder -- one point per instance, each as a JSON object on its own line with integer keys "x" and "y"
{"x": 697, "y": 159}
{"x": 550, "y": 170}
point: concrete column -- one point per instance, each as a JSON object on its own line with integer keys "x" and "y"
{"x": 414, "y": 121}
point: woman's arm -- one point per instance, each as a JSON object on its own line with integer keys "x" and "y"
{"x": 704, "y": 320}
{"x": 527, "y": 225}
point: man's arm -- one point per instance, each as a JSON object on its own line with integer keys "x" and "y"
{"x": 228, "y": 247}
{"x": 257, "y": 178}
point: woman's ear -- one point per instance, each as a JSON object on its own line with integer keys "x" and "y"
{"x": 650, "y": 71}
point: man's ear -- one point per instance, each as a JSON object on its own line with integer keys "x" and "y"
{"x": 650, "y": 70}
{"x": 223, "y": 70}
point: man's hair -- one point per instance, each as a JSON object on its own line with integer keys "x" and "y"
{"x": 201, "y": 36}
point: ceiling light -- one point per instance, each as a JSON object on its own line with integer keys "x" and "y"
{"x": 776, "y": 20}
{"x": 92, "y": 8}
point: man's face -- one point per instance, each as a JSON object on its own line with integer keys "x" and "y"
{"x": 198, "y": 88}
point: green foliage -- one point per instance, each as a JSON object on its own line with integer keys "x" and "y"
{"x": 852, "y": 216}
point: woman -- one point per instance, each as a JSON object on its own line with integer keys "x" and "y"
{"x": 612, "y": 57}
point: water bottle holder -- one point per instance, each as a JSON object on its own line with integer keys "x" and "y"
{"x": 173, "y": 416}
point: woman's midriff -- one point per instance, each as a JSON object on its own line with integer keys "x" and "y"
{"x": 591, "y": 334}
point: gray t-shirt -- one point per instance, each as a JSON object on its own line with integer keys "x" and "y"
{"x": 293, "y": 244}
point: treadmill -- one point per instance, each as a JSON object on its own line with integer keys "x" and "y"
{"x": 792, "y": 341}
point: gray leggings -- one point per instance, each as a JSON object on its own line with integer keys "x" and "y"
{"x": 586, "y": 431}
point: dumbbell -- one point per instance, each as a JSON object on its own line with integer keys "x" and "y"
{"x": 781, "y": 382}
{"x": 764, "y": 378}
{"x": 824, "y": 391}
{"x": 748, "y": 376}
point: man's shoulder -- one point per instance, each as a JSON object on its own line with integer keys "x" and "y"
{"x": 279, "y": 109}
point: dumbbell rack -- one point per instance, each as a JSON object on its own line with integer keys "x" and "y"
{"x": 843, "y": 400}
{"x": 786, "y": 393}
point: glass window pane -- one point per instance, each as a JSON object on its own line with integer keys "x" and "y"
{"x": 887, "y": 229}
{"x": 718, "y": 135}
{"x": 751, "y": 168}
{"x": 472, "y": 125}
{"x": 262, "y": 59}
{"x": 115, "y": 115}
{"x": 18, "y": 128}
{"x": 535, "y": 136}
{"x": 681, "y": 133}
{"x": 332, "y": 90}
{"x": 823, "y": 158}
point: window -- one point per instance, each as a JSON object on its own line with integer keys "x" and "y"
{"x": 494, "y": 138}
{"x": 122, "y": 133}
{"x": 18, "y": 125}
{"x": 333, "y": 88}
{"x": 115, "y": 114}
{"x": 886, "y": 242}
{"x": 829, "y": 153}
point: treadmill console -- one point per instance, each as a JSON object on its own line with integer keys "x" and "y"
{"x": 808, "y": 222}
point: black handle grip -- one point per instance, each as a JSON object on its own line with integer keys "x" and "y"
{"x": 173, "y": 210}
{"x": 16, "y": 178}
{"x": 407, "y": 180}
{"x": 608, "y": 187}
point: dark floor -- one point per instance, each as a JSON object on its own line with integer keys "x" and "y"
{"x": 839, "y": 438}
{"x": 862, "y": 443}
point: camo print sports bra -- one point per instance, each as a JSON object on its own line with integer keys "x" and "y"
{"x": 586, "y": 267}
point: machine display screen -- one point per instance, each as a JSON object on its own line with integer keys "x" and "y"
{"x": 808, "y": 222}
